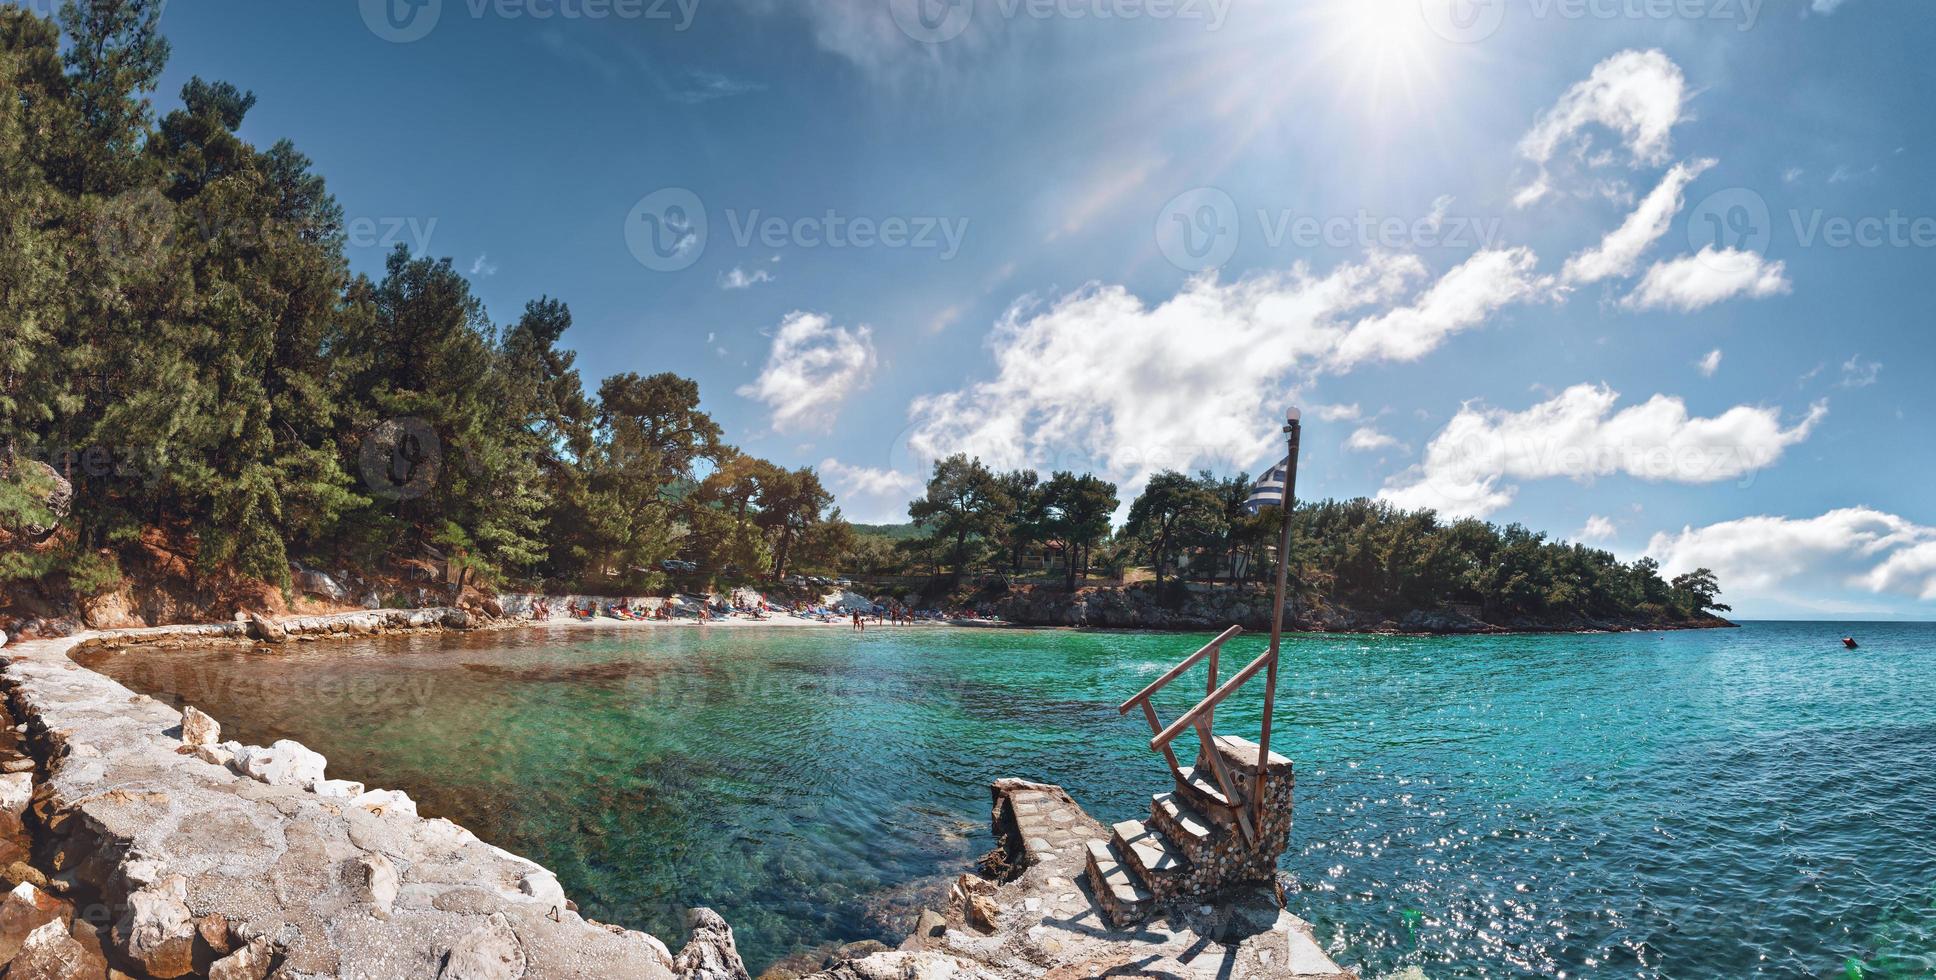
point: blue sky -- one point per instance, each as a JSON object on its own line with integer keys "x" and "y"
{"x": 1492, "y": 246}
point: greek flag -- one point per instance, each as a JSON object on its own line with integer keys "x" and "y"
{"x": 1268, "y": 491}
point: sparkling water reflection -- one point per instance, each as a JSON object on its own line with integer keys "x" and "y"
{"x": 1751, "y": 802}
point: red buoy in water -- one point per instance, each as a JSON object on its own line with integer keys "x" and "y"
{"x": 1849, "y": 641}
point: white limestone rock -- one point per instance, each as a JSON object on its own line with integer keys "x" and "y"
{"x": 490, "y": 952}
{"x": 158, "y": 933}
{"x": 543, "y": 886}
{"x": 199, "y": 729}
{"x": 16, "y": 791}
{"x": 380, "y": 883}
{"x": 712, "y": 954}
{"x": 251, "y": 962}
{"x": 339, "y": 789}
{"x": 286, "y": 763}
{"x": 214, "y": 755}
{"x": 386, "y": 801}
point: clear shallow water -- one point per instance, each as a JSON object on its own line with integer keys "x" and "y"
{"x": 1735, "y": 803}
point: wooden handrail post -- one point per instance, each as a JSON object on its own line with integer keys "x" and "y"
{"x": 1190, "y": 718}
{"x": 1208, "y": 649}
{"x": 1210, "y": 718}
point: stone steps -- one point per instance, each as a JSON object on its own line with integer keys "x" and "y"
{"x": 1159, "y": 863}
{"x": 1201, "y": 791}
{"x": 1182, "y": 825}
{"x": 1124, "y": 900}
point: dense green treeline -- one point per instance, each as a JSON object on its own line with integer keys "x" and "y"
{"x": 184, "y": 352}
{"x": 1360, "y": 554}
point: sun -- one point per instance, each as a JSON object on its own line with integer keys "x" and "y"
{"x": 1383, "y": 50}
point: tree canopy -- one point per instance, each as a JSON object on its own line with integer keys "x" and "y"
{"x": 183, "y": 342}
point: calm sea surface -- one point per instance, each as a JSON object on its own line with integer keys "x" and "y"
{"x": 1737, "y": 803}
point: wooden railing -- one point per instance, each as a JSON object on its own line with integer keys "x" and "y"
{"x": 1202, "y": 718}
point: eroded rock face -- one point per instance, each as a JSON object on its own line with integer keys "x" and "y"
{"x": 51, "y": 953}
{"x": 199, "y": 729}
{"x": 712, "y": 954}
{"x": 320, "y": 583}
{"x": 490, "y": 952}
{"x": 158, "y": 932}
{"x": 267, "y": 630}
{"x": 286, "y": 763}
{"x": 386, "y": 801}
{"x": 380, "y": 882}
{"x": 251, "y": 962}
{"x": 24, "y": 910}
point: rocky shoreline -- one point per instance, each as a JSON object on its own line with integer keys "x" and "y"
{"x": 140, "y": 846}
{"x": 160, "y": 851}
{"x": 1202, "y": 608}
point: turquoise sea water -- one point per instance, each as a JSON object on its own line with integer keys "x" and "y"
{"x": 1736, "y": 803}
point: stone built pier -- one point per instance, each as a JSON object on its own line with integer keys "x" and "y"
{"x": 1191, "y": 846}
{"x": 1188, "y": 892}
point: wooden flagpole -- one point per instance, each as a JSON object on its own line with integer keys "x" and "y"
{"x": 1293, "y": 429}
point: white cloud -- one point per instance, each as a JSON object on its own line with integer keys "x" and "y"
{"x": 1858, "y": 373}
{"x": 1598, "y": 529}
{"x": 1710, "y": 363}
{"x": 1619, "y": 252}
{"x": 1854, "y": 547}
{"x": 1366, "y": 439}
{"x": 739, "y": 278}
{"x": 1337, "y": 413}
{"x": 1463, "y": 298}
{"x": 483, "y": 267}
{"x": 1693, "y": 282}
{"x": 1578, "y": 435}
{"x": 871, "y": 495}
{"x": 1637, "y": 94}
{"x": 1099, "y": 380}
{"x": 811, "y": 370}
{"x": 1826, "y": 6}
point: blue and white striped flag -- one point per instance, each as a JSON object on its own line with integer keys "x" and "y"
{"x": 1268, "y": 491}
